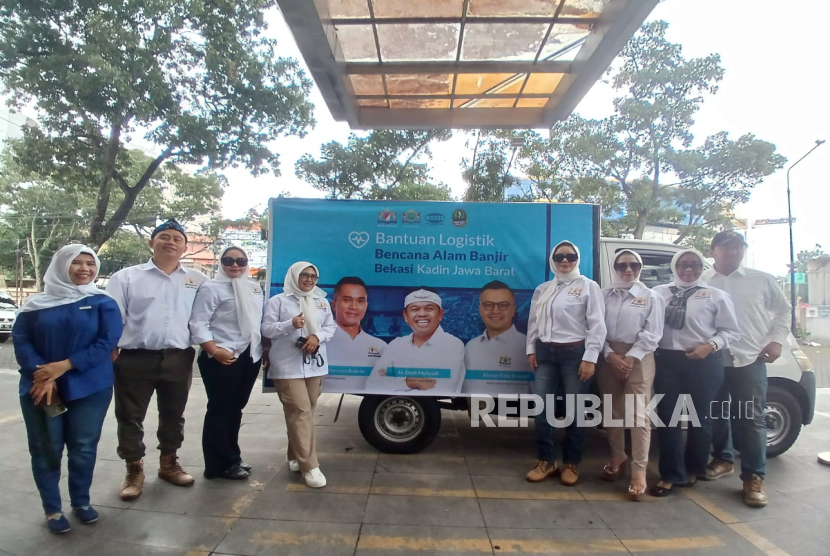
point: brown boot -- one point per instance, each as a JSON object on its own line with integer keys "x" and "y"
{"x": 570, "y": 475}
{"x": 754, "y": 494}
{"x": 172, "y": 472}
{"x": 542, "y": 471}
{"x": 718, "y": 468}
{"x": 134, "y": 481}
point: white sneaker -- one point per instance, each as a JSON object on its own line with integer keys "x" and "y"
{"x": 315, "y": 478}
{"x": 293, "y": 465}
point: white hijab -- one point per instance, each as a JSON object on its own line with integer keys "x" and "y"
{"x": 247, "y": 304}
{"x": 677, "y": 281}
{"x": 559, "y": 277}
{"x": 618, "y": 283}
{"x": 58, "y": 289}
{"x": 308, "y": 307}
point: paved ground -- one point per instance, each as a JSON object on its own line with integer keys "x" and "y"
{"x": 464, "y": 495}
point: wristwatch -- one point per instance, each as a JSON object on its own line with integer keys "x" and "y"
{"x": 714, "y": 345}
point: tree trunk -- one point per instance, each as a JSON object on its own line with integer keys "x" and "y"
{"x": 640, "y": 227}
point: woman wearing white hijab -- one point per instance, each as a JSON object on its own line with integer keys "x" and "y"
{"x": 565, "y": 335}
{"x": 63, "y": 341}
{"x": 699, "y": 324}
{"x": 226, "y": 321}
{"x": 299, "y": 322}
{"x": 634, "y": 319}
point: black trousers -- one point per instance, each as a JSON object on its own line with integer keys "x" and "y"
{"x": 228, "y": 389}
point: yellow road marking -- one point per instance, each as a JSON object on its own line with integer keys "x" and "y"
{"x": 441, "y": 546}
{"x": 423, "y": 491}
{"x": 757, "y": 540}
{"x": 530, "y": 495}
{"x": 286, "y": 538}
{"x": 709, "y": 506}
{"x": 10, "y": 419}
{"x": 679, "y": 543}
{"x": 545, "y": 546}
{"x": 330, "y": 489}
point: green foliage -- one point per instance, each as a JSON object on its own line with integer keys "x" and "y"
{"x": 197, "y": 79}
{"x": 487, "y": 172}
{"x": 123, "y": 249}
{"x": 384, "y": 165}
{"x": 806, "y": 256}
{"x": 639, "y": 163}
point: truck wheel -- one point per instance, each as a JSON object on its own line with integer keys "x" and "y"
{"x": 4, "y": 338}
{"x": 783, "y": 418}
{"x": 398, "y": 424}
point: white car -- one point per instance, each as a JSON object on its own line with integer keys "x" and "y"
{"x": 8, "y": 312}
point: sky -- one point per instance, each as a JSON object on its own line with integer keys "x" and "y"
{"x": 772, "y": 53}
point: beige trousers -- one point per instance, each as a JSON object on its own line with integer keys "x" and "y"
{"x": 639, "y": 383}
{"x": 299, "y": 399}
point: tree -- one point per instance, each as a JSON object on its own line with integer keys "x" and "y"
{"x": 125, "y": 248}
{"x": 384, "y": 165}
{"x": 199, "y": 80}
{"x": 44, "y": 215}
{"x": 806, "y": 256}
{"x": 640, "y": 160}
{"x": 487, "y": 172}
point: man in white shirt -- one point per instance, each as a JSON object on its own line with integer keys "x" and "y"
{"x": 352, "y": 352}
{"x": 428, "y": 360}
{"x": 156, "y": 300}
{"x": 763, "y": 318}
{"x": 495, "y": 361}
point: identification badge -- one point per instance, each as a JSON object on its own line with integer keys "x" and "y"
{"x": 639, "y": 302}
{"x": 505, "y": 361}
{"x": 575, "y": 292}
{"x": 190, "y": 282}
{"x": 257, "y": 289}
{"x": 703, "y": 294}
{"x": 85, "y": 308}
{"x": 372, "y": 352}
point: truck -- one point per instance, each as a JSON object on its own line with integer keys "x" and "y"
{"x": 400, "y": 248}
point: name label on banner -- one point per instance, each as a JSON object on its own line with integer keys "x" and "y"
{"x": 414, "y": 372}
{"x": 522, "y": 376}
{"x": 340, "y": 370}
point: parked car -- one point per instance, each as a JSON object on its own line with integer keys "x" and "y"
{"x": 8, "y": 312}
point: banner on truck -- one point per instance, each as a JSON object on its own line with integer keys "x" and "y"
{"x": 425, "y": 325}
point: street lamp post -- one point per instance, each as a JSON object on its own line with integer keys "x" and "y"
{"x": 819, "y": 142}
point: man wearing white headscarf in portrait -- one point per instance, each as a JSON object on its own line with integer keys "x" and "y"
{"x": 299, "y": 322}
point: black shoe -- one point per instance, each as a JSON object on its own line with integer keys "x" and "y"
{"x": 246, "y": 466}
{"x": 235, "y": 473}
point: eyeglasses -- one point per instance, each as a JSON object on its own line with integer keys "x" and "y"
{"x": 502, "y": 305}
{"x": 228, "y": 261}
{"x": 570, "y": 257}
{"x": 307, "y": 276}
{"x": 622, "y": 267}
{"x": 689, "y": 266}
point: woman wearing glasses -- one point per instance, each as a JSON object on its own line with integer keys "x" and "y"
{"x": 299, "y": 323}
{"x": 565, "y": 335}
{"x": 634, "y": 319}
{"x": 225, "y": 321}
{"x": 699, "y": 324}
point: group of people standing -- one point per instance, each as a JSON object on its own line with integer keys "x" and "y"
{"x": 702, "y": 341}
{"x": 77, "y": 344}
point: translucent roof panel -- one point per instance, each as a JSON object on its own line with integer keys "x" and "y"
{"x": 419, "y": 64}
{"x": 502, "y": 41}
{"x": 418, "y": 41}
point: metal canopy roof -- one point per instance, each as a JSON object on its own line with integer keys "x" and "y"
{"x": 459, "y": 63}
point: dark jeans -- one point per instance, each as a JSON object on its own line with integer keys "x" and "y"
{"x": 697, "y": 382}
{"x": 558, "y": 374}
{"x": 228, "y": 388}
{"x": 139, "y": 373}
{"x": 747, "y": 389}
{"x": 79, "y": 429}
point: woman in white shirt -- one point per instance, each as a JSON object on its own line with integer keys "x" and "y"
{"x": 299, "y": 323}
{"x": 565, "y": 334}
{"x": 634, "y": 319}
{"x": 699, "y": 324}
{"x": 225, "y": 321}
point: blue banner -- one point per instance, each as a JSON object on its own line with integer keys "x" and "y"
{"x": 452, "y": 249}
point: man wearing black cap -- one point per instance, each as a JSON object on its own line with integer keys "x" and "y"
{"x": 764, "y": 321}
{"x": 156, "y": 299}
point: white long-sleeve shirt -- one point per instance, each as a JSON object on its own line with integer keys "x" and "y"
{"x": 155, "y": 306}
{"x": 440, "y": 358}
{"x": 351, "y": 360}
{"x": 214, "y": 317}
{"x": 710, "y": 317}
{"x": 761, "y": 307}
{"x": 286, "y": 358}
{"x": 575, "y": 312}
{"x": 497, "y": 365}
{"x": 633, "y": 316}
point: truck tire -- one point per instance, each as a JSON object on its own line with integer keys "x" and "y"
{"x": 4, "y": 338}
{"x": 399, "y": 424}
{"x": 783, "y": 418}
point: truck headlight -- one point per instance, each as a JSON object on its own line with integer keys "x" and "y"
{"x": 803, "y": 361}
